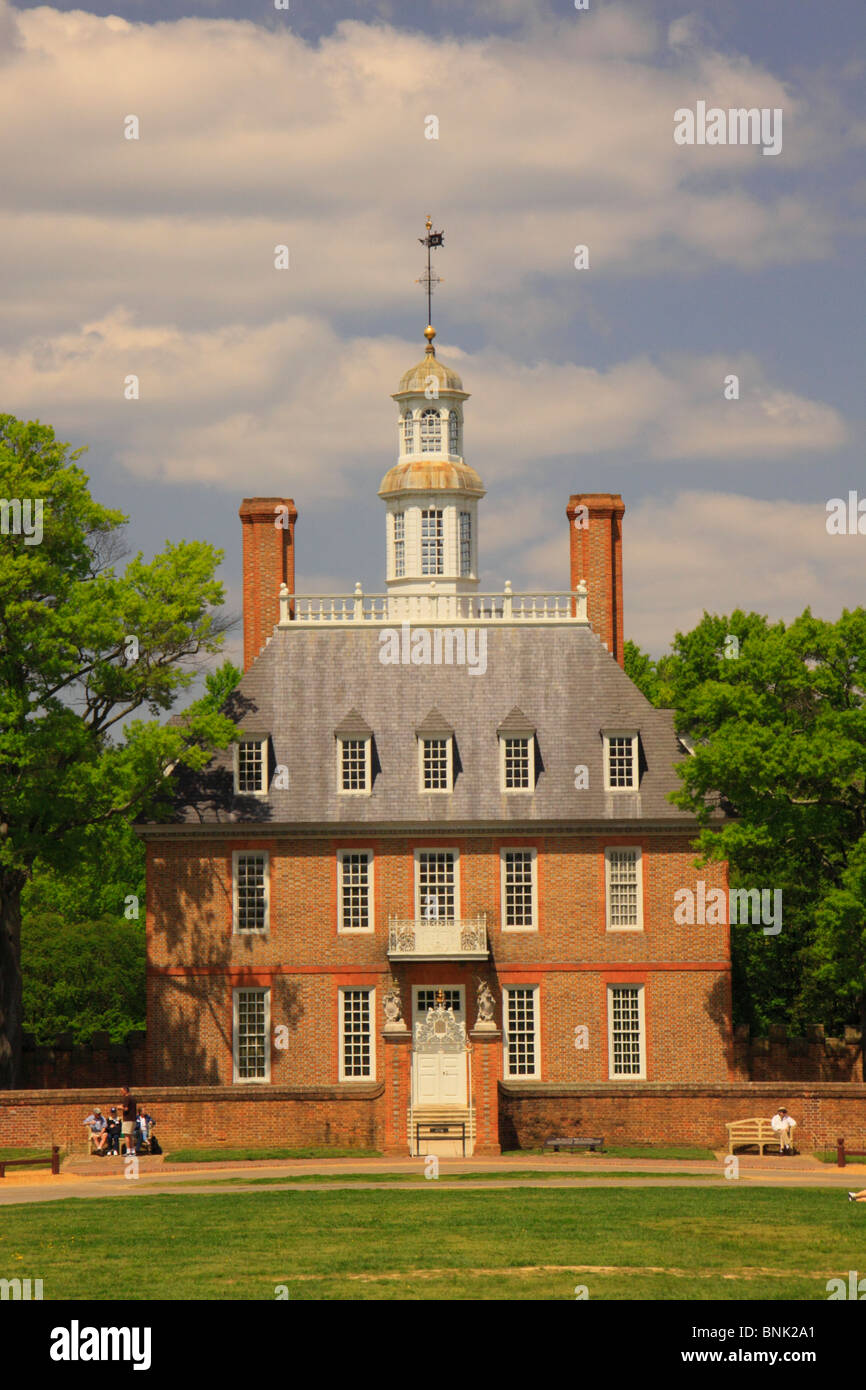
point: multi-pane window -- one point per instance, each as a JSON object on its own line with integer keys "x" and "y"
{"x": 464, "y": 523}
{"x": 251, "y": 766}
{"x": 354, "y": 764}
{"x": 435, "y": 764}
{"x": 251, "y": 1030}
{"x": 426, "y": 999}
{"x": 356, "y": 1034}
{"x": 625, "y": 1025}
{"x": 453, "y": 433}
{"x": 432, "y": 541}
{"x": 356, "y": 890}
{"x": 517, "y": 763}
{"x": 518, "y": 889}
{"x": 431, "y": 432}
{"x": 251, "y": 892}
{"x": 408, "y": 433}
{"x": 521, "y": 1031}
{"x": 623, "y": 888}
{"x": 621, "y": 761}
{"x": 437, "y": 873}
{"x": 399, "y": 545}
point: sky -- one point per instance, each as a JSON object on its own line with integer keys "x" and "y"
{"x": 306, "y": 127}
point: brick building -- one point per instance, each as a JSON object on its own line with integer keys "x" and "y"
{"x": 442, "y": 856}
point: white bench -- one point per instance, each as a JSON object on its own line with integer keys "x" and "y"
{"x": 755, "y": 1131}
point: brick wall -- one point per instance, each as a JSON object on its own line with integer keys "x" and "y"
{"x": 269, "y": 561}
{"x": 811, "y": 1058}
{"x": 235, "y": 1115}
{"x": 641, "y": 1112}
{"x": 98, "y": 1062}
{"x": 596, "y": 557}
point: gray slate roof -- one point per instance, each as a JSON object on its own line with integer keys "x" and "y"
{"x": 310, "y": 682}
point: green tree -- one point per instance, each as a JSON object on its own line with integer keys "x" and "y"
{"x": 83, "y": 649}
{"x": 776, "y": 722}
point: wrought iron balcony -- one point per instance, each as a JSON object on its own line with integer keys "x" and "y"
{"x": 437, "y": 938}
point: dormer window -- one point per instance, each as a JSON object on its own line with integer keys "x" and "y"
{"x": 408, "y": 433}
{"x": 453, "y": 432}
{"x": 516, "y": 753}
{"x": 435, "y": 754}
{"x": 431, "y": 432}
{"x": 621, "y": 772}
{"x": 251, "y": 764}
{"x": 354, "y": 756}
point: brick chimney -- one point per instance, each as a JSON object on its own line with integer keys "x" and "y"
{"x": 595, "y": 525}
{"x": 269, "y": 561}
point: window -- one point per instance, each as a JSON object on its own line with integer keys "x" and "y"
{"x": 453, "y": 432}
{"x": 408, "y": 433}
{"x": 426, "y": 999}
{"x": 250, "y": 873}
{"x": 521, "y": 1030}
{"x": 354, "y": 770}
{"x": 436, "y": 764}
{"x": 250, "y": 1033}
{"x": 355, "y": 890}
{"x": 250, "y": 766}
{"x": 465, "y": 536}
{"x": 356, "y": 1034}
{"x": 432, "y": 542}
{"x": 519, "y": 894}
{"x": 399, "y": 545}
{"x": 623, "y": 873}
{"x": 626, "y": 1030}
{"x": 517, "y": 756}
{"x": 431, "y": 432}
{"x": 436, "y": 885}
{"x": 621, "y": 762}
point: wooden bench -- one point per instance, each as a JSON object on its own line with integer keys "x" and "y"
{"x": 755, "y": 1131}
{"x": 53, "y": 1161}
{"x": 842, "y": 1153}
{"x": 574, "y": 1143}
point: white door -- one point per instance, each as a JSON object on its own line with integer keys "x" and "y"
{"x": 439, "y": 1079}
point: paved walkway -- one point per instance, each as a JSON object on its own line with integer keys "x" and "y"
{"x": 97, "y": 1177}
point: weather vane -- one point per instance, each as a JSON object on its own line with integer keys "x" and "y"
{"x": 429, "y": 278}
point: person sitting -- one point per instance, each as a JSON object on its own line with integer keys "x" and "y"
{"x": 113, "y": 1133}
{"x": 144, "y": 1124}
{"x": 857, "y": 1196}
{"x": 98, "y": 1130}
{"x": 784, "y": 1125}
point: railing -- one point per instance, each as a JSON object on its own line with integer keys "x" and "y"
{"x": 437, "y": 938}
{"x": 433, "y": 607}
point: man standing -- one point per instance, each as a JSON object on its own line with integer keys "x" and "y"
{"x": 784, "y": 1125}
{"x": 129, "y": 1111}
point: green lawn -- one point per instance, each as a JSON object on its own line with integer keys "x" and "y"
{"x": 438, "y": 1242}
{"x": 489, "y": 1175}
{"x": 6, "y": 1154}
{"x": 222, "y": 1155}
{"x": 673, "y": 1151}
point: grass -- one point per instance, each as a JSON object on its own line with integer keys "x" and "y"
{"x": 667, "y": 1151}
{"x": 441, "y": 1242}
{"x": 517, "y": 1175}
{"x": 222, "y": 1155}
{"x": 7, "y": 1154}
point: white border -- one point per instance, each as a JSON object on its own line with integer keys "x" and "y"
{"x": 607, "y": 735}
{"x": 518, "y": 849}
{"x": 436, "y": 849}
{"x": 616, "y": 849}
{"x": 251, "y": 931}
{"x": 366, "y": 989}
{"x": 371, "y": 907}
{"x": 522, "y": 1076}
{"x": 632, "y": 1075}
{"x": 251, "y": 1080}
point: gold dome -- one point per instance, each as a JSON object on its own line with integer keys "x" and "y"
{"x": 417, "y": 378}
{"x": 431, "y": 475}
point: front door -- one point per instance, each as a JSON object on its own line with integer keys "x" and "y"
{"x": 439, "y": 1059}
{"x": 439, "y": 1079}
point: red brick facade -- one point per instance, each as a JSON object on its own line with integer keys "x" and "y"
{"x": 595, "y": 528}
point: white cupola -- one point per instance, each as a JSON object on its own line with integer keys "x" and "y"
{"x": 430, "y": 494}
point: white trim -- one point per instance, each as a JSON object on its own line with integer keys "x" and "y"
{"x": 517, "y": 791}
{"x": 251, "y": 854}
{"x": 342, "y": 991}
{"x": 631, "y": 1075}
{"x": 607, "y": 735}
{"x": 236, "y": 749}
{"x": 436, "y": 849}
{"x": 251, "y": 1080}
{"x": 367, "y": 741}
{"x": 448, "y": 740}
{"x": 618, "y": 849}
{"x": 518, "y": 849}
{"x": 536, "y": 1021}
{"x": 371, "y": 914}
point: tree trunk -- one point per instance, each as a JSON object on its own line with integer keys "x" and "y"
{"x": 11, "y": 1011}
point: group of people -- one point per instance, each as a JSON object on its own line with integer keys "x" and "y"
{"x": 124, "y": 1129}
